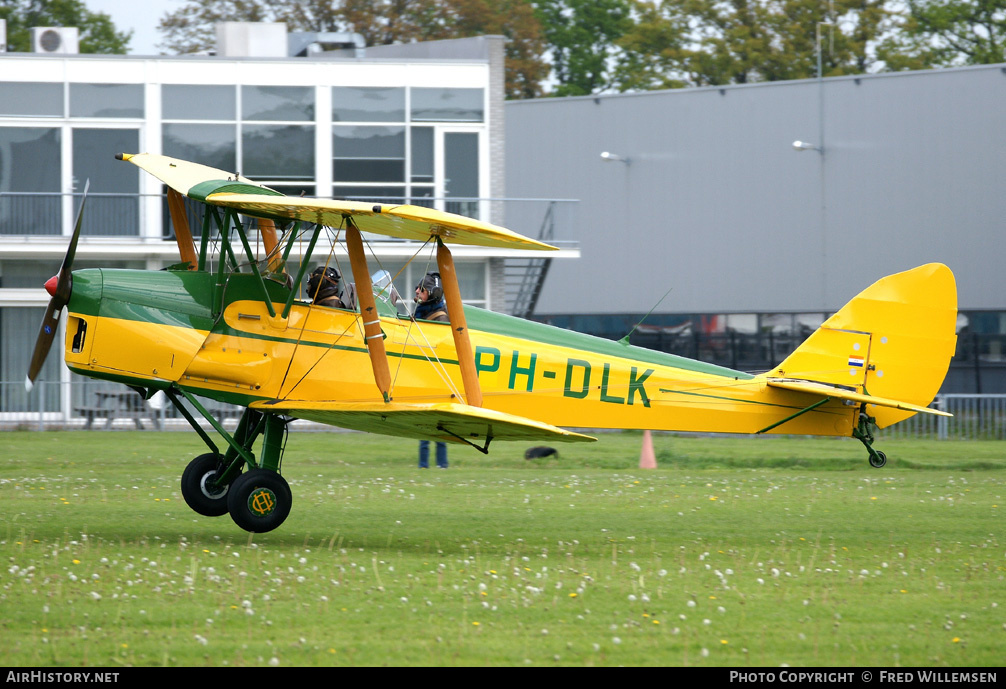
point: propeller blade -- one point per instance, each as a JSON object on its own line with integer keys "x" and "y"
{"x": 65, "y": 273}
{"x": 50, "y": 322}
{"x": 46, "y": 334}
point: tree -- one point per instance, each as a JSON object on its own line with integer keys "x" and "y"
{"x": 192, "y": 28}
{"x": 948, "y": 33}
{"x": 97, "y": 32}
{"x": 380, "y": 22}
{"x": 717, "y": 42}
{"x": 582, "y": 40}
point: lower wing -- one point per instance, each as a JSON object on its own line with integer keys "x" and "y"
{"x": 442, "y": 421}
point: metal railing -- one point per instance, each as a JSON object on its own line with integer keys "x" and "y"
{"x": 41, "y": 213}
{"x": 97, "y": 405}
{"x": 975, "y": 417}
{"x": 79, "y": 404}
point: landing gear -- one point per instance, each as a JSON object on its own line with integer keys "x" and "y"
{"x": 864, "y": 433}
{"x": 201, "y": 486}
{"x": 259, "y": 500}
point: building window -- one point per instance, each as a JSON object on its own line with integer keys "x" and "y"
{"x": 28, "y": 99}
{"x": 368, "y": 154}
{"x": 447, "y": 105}
{"x": 277, "y": 103}
{"x": 208, "y": 144}
{"x": 29, "y": 178}
{"x": 195, "y": 102}
{"x": 273, "y": 142}
{"x": 114, "y": 208}
{"x": 277, "y": 152}
{"x": 106, "y": 100}
{"x": 368, "y": 104}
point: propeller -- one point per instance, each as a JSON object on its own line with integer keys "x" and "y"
{"x": 59, "y": 288}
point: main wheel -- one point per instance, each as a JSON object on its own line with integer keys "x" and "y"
{"x": 197, "y": 485}
{"x": 878, "y": 461}
{"x": 259, "y": 500}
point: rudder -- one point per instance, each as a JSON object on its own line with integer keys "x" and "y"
{"x": 894, "y": 339}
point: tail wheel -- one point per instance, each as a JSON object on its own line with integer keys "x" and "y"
{"x": 259, "y": 500}
{"x": 199, "y": 488}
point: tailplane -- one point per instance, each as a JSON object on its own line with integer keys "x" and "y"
{"x": 893, "y": 341}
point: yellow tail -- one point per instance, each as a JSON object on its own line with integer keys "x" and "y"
{"x": 894, "y": 340}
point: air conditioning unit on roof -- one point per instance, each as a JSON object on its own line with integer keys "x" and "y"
{"x": 55, "y": 40}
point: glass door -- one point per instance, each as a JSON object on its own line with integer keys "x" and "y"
{"x": 461, "y": 176}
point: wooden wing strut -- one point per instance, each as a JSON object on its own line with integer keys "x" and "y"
{"x": 368, "y": 310}
{"x": 459, "y": 326}
{"x": 183, "y": 235}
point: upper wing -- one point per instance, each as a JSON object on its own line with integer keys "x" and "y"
{"x": 417, "y": 223}
{"x": 444, "y": 421}
{"x": 841, "y": 393}
{"x": 193, "y": 179}
{"x": 404, "y": 221}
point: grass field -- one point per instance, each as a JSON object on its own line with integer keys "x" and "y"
{"x": 734, "y": 552}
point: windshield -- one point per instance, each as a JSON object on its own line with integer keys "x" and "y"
{"x": 389, "y": 301}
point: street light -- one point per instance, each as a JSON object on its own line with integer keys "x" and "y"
{"x": 806, "y": 146}
{"x": 614, "y": 157}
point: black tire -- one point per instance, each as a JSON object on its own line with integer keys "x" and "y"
{"x": 198, "y": 496}
{"x": 878, "y": 461}
{"x": 259, "y": 500}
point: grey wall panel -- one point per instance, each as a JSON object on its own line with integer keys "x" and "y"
{"x": 717, "y": 205}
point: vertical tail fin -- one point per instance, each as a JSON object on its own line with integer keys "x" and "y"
{"x": 895, "y": 340}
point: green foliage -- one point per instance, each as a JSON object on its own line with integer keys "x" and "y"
{"x": 712, "y": 559}
{"x": 191, "y": 28}
{"x": 948, "y": 33}
{"x": 581, "y": 37}
{"x": 97, "y": 32}
{"x": 708, "y": 43}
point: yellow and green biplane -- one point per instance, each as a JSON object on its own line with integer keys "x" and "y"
{"x": 233, "y": 330}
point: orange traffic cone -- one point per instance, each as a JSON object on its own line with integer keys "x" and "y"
{"x": 647, "y": 460}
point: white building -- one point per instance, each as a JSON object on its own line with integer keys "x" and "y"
{"x": 420, "y": 124}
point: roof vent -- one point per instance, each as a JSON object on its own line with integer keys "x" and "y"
{"x": 251, "y": 39}
{"x": 309, "y": 44}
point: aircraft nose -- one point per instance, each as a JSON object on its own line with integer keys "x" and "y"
{"x": 50, "y": 285}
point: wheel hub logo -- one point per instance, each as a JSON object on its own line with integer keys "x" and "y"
{"x": 261, "y": 502}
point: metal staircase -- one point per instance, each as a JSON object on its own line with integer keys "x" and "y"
{"x": 524, "y": 277}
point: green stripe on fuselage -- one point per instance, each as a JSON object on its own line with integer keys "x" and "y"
{"x": 509, "y": 326}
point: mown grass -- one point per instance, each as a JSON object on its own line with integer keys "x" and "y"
{"x": 735, "y": 551}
